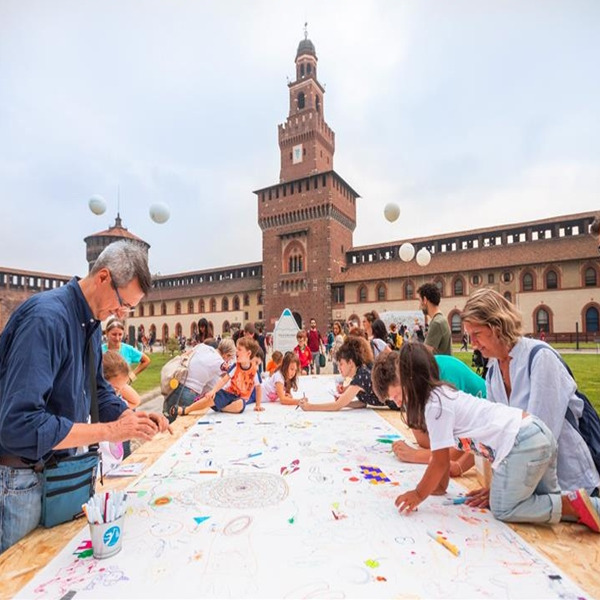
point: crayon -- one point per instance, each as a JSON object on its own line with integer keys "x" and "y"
{"x": 444, "y": 542}
{"x": 458, "y": 500}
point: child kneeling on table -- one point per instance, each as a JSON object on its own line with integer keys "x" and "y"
{"x": 236, "y": 388}
{"x": 520, "y": 447}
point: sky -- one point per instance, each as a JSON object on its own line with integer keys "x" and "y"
{"x": 466, "y": 114}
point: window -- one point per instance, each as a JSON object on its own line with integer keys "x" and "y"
{"x": 507, "y": 277}
{"x": 246, "y": 300}
{"x": 213, "y": 305}
{"x": 141, "y": 310}
{"x": 592, "y": 320}
{"x": 490, "y": 278}
{"x": 338, "y": 294}
{"x": 301, "y": 98}
{"x": 542, "y": 321}
{"x": 409, "y": 290}
{"x": 439, "y": 284}
{"x": 551, "y": 280}
{"x": 381, "y": 293}
{"x": 246, "y": 317}
{"x": 476, "y": 280}
{"x": 508, "y": 296}
{"x": 201, "y": 307}
{"x": 151, "y": 309}
{"x": 362, "y": 293}
{"x": 177, "y": 307}
{"x": 163, "y": 310}
{"x": 236, "y": 303}
{"x": 459, "y": 287}
{"x": 259, "y": 299}
{"x": 527, "y": 282}
{"x": 225, "y": 304}
{"x": 590, "y": 277}
{"x": 455, "y": 323}
{"x": 190, "y": 307}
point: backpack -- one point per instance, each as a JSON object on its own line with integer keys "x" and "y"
{"x": 589, "y": 422}
{"x": 174, "y": 373}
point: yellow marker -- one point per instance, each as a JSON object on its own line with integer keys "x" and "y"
{"x": 444, "y": 542}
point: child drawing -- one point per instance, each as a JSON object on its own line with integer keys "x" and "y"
{"x": 524, "y": 482}
{"x": 284, "y": 380}
{"x": 236, "y": 388}
{"x": 352, "y": 358}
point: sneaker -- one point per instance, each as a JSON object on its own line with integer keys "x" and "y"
{"x": 587, "y": 512}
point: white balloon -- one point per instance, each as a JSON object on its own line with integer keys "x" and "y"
{"x": 97, "y": 205}
{"x": 407, "y": 252}
{"x": 160, "y": 212}
{"x": 423, "y": 257}
{"x": 391, "y": 212}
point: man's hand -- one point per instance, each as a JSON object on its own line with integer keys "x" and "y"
{"x": 161, "y": 422}
{"x": 479, "y": 498}
{"x": 132, "y": 425}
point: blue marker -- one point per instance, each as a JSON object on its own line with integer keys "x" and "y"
{"x": 459, "y": 500}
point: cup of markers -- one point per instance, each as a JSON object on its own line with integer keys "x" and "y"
{"x": 105, "y": 513}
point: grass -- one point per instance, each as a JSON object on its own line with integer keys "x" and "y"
{"x": 149, "y": 378}
{"x": 585, "y": 367}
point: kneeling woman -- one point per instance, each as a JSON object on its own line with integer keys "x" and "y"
{"x": 352, "y": 358}
{"x": 520, "y": 447}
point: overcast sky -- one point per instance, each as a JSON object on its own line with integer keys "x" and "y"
{"x": 465, "y": 113}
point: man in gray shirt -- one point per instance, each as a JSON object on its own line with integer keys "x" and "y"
{"x": 439, "y": 337}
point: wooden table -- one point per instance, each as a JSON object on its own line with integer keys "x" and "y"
{"x": 574, "y": 548}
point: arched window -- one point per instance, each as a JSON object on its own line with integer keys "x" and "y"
{"x": 193, "y": 330}
{"x": 458, "y": 288}
{"x": 551, "y": 280}
{"x": 409, "y": 290}
{"x": 439, "y": 284}
{"x": 141, "y": 310}
{"x": 236, "y": 303}
{"x": 201, "y": 308}
{"x": 508, "y": 296}
{"x": 542, "y": 321}
{"x": 381, "y": 292}
{"x": 294, "y": 258}
{"x": 226, "y": 326}
{"x": 246, "y": 299}
{"x": 590, "y": 277}
{"x": 151, "y": 309}
{"x": 318, "y": 103}
{"x": 190, "y": 307}
{"x": 308, "y": 69}
{"x": 178, "y": 330}
{"x": 527, "y": 282}
{"x": 165, "y": 333}
{"x": 213, "y": 305}
{"x": 177, "y": 307}
{"x": 163, "y": 309}
{"x": 362, "y": 293}
{"x": 455, "y": 323}
{"x": 259, "y": 299}
{"x": 592, "y": 320}
{"x": 302, "y": 70}
{"x": 225, "y": 303}
{"x": 301, "y": 100}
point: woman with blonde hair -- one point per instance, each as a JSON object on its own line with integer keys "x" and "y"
{"x": 529, "y": 375}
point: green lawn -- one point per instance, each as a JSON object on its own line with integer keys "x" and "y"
{"x": 585, "y": 367}
{"x": 149, "y": 379}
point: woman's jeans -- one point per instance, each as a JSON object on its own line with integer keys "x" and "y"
{"x": 20, "y": 504}
{"x": 524, "y": 485}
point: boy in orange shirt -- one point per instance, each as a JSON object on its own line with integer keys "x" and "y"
{"x": 236, "y": 387}
{"x": 303, "y": 352}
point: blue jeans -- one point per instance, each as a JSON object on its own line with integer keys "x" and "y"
{"x": 20, "y": 504}
{"x": 315, "y": 361}
{"x": 524, "y": 485}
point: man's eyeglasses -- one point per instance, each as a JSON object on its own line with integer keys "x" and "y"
{"x": 124, "y": 306}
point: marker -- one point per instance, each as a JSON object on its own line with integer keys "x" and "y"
{"x": 203, "y": 472}
{"x": 444, "y": 542}
{"x": 385, "y": 441}
{"x": 253, "y": 455}
{"x": 207, "y": 422}
{"x": 459, "y": 500}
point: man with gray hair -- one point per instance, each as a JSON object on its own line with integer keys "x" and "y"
{"x": 49, "y": 349}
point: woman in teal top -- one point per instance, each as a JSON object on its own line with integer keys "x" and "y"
{"x": 115, "y": 330}
{"x": 386, "y": 376}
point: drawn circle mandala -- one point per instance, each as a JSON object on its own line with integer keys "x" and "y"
{"x": 245, "y": 490}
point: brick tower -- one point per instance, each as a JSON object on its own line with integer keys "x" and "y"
{"x": 307, "y": 219}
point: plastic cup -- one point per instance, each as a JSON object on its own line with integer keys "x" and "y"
{"x": 107, "y": 538}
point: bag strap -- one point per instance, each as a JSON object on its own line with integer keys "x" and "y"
{"x": 93, "y": 385}
{"x": 569, "y": 414}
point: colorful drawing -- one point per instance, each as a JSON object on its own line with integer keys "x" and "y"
{"x": 374, "y": 475}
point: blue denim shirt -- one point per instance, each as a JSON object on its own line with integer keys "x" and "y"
{"x": 44, "y": 373}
